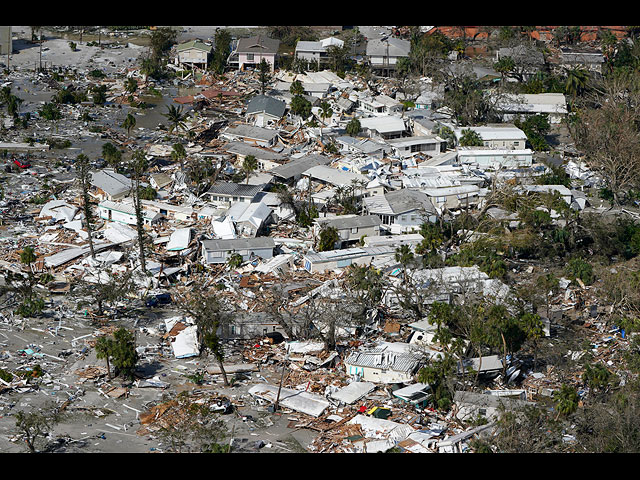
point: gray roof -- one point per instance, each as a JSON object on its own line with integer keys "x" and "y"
{"x": 396, "y": 361}
{"x": 486, "y": 400}
{"x": 258, "y": 44}
{"x": 266, "y": 104}
{"x": 241, "y": 148}
{"x": 228, "y": 245}
{"x": 299, "y": 166}
{"x": 405, "y": 200}
{"x": 342, "y": 223}
{"x": 397, "y": 47}
{"x": 110, "y": 182}
{"x": 249, "y": 131}
{"x": 522, "y": 53}
{"x": 235, "y": 189}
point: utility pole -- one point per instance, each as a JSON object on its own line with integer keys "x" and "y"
{"x": 9, "y": 47}
{"x": 284, "y": 368}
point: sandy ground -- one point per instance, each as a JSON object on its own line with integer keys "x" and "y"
{"x": 98, "y": 423}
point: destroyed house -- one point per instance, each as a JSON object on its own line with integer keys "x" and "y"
{"x": 292, "y": 171}
{"x": 109, "y": 185}
{"x": 364, "y": 146}
{"x": 350, "y": 228}
{"x": 263, "y": 137}
{"x": 267, "y": 159}
{"x": 383, "y": 365}
{"x": 472, "y": 405}
{"x": 229, "y": 192}
{"x": 335, "y": 177}
{"x": 333, "y": 259}
{"x": 252, "y": 219}
{"x": 125, "y": 213}
{"x": 249, "y": 325}
{"x": 169, "y": 211}
{"x": 219, "y": 251}
{"x": 402, "y": 210}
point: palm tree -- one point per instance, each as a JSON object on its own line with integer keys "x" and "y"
{"x": 129, "y": 123}
{"x": 566, "y": 400}
{"x": 249, "y": 165}
{"x": 404, "y": 256}
{"x": 577, "y": 80}
{"x": 104, "y": 347}
{"x": 325, "y": 112}
{"x": 179, "y": 153}
{"x": 112, "y": 155}
{"x": 131, "y": 85}
{"x": 176, "y": 118}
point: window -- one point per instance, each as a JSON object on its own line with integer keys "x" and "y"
{"x": 516, "y": 144}
{"x": 250, "y": 57}
{"x": 354, "y": 230}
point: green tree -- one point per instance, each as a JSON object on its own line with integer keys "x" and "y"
{"x": 249, "y": 165}
{"x": 131, "y": 85}
{"x": 300, "y": 106}
{"x": 264, "y": 75}
{"x": 470, "y": 138}
{"x": 504, "y": 66}
{"x": 129, "y": 124}
{"x": 353, "y": 127}
{"x": 176, "y": 119}
{"x": 124, "y": 354}
{"x": 565, "y": 400}
{"x": 296, "y": 88}
{"x": 178, "y": 153}
{"x": 112, "y": 155}
{"x": 327, "y": 239}
{"x": 325, "y": 111}
{"x": 104, "y": 350}
{"x": 577, "y": 81}
{"x": 84, "y": 177}
{"x": 99, "y": 94}
{"x": 138, "y": 165}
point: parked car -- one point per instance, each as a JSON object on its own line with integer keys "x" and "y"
{"x": 160, "y": 299}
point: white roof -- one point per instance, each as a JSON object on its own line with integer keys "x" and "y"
{"x": 334, "y": 176}
{"x": 494, "y": 132}
{"x": 255, "y": 214}
{"x": 383, "y": 124}
{"x": 536, "y": 103}
{"x": 353, "y": 392}
{"x": 179, "y": 239}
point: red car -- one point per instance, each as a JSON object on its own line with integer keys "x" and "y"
{"x": 20, "y": 164}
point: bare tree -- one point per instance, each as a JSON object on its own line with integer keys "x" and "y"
{"x": 210, "y": 317}
{"x": 606, "y": 131}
